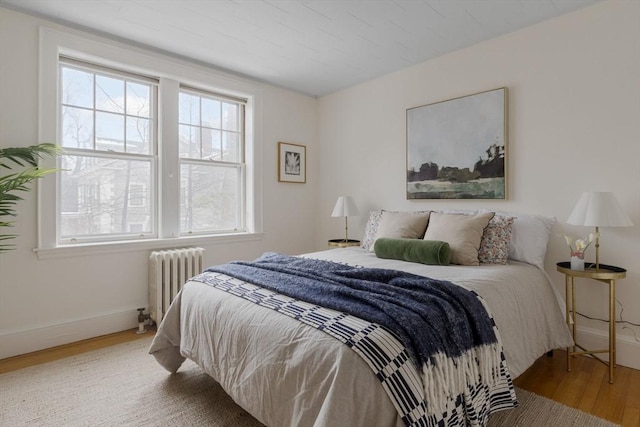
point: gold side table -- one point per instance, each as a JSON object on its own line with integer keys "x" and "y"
{"x": 342, "y": 243}
{"x": 605, "y": 274}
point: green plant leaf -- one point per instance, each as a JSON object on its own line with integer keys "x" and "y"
{"x": 23, "y": 156}
{"x": 19, "y": 181}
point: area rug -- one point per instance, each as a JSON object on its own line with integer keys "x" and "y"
{"x": 123, "y": 385}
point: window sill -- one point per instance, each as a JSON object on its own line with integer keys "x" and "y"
{"x": 88, "y": 249}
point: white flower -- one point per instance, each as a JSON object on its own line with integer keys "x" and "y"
{"x": 580, "y": 245}
{"x": 568, "y": 240}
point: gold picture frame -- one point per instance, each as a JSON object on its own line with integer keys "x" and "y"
{"x": 292, "y": 163}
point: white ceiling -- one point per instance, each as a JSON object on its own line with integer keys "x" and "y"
{"x": 315, "y": 47}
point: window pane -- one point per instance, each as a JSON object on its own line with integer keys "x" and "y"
{"x": 95, "y": 196}
{"x": 189, "y": 110}
{"x": 215, "y": 115}
{"x": 138, "y": 99}
{"x": 229, "y": 116}
{"x": 77, "y": 88}
{"x": 109, "y": 94}
{"x": 189, "y": 140}
{"x": 138, "y": 135}
{"x": 69, "y": 195}
{"x": 210, "y": 198}
{"x": 77, "y": 128}
{"x": 211, "y": 144}
{"x": 211, "y": 113}
{"x": 109, "y": 131}
{"x": 230, "y": 147}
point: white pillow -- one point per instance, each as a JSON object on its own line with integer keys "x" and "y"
{"x": 529, "y": 237}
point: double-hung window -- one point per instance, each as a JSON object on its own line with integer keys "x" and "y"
{"x": 111, "y": 187}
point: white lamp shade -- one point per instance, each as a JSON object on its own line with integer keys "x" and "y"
{"x": 345, "y": 206}
{"x": 599, "y": 209}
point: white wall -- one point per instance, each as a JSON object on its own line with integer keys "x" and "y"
{"x": 574, "y": 125}
{"x": 54, "y": 301}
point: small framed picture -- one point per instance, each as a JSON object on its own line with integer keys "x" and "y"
{"x": 292, "y": 162}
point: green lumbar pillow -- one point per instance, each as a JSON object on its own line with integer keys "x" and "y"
{"x": 433, "y": 252}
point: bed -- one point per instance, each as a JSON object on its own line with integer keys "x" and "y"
{"x": 288, "y": 373}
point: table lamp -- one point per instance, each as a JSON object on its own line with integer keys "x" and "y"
{"x": 598, "y": 209}
{"x": 346, "y": 207}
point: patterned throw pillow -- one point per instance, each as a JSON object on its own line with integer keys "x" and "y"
{"x": 371, "y": 230}
{"x": 494, "y": 246}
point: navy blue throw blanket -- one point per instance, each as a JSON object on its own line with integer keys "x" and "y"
{"x": 428, "y": 316}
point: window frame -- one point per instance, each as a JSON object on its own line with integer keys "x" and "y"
{"x": 171, "y": 72}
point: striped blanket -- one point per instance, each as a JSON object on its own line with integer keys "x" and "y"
{"x": 432, "y": 344}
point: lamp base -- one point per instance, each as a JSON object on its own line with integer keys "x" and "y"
{"x": 597, "y": 236}
{"x": 343, "y": 243}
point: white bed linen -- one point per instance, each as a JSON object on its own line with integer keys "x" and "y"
{"x": 286, "y": 373}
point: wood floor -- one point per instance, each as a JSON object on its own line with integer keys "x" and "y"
{"x": 586, "y": 388}
{"x": 67, "y": 350}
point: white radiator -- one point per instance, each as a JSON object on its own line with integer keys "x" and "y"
{"x": 168, "y": 271}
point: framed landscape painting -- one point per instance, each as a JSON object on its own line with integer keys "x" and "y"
{"x": 292, "y": 162}
{"x": 456, "y": 149}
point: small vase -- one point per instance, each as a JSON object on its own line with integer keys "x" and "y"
{"x": 577, "y": 261}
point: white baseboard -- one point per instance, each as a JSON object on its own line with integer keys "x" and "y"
{"x": 27, "y": 341}
{"x": 627, "y": 350}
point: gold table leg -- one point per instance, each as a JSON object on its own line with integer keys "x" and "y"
{"x": 574, "y": 325}
{"x": 568, "y": 288}
{"x": 612, "y": 328}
